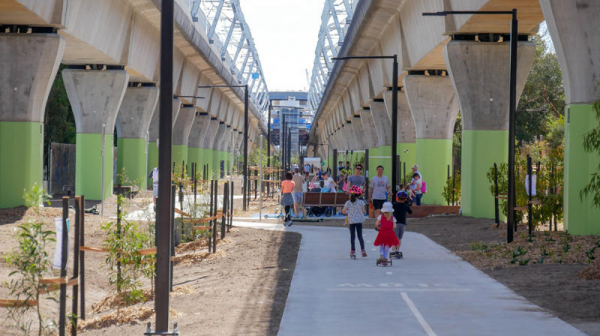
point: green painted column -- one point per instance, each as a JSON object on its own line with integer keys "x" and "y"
{"x": 580, "y": 216}
{"x": 433, "y": 158}
{"x": 373, "y": 161}
{"x": 88, "y": 166}
{"x": 385, "y": 159}
{"x": 179, "y": 155}
{"x": 21, "y": 153}
{"x": 131, "y": 156}
{"x": 208, "y": 154}
{"x": 408, "y": 156}
{"x": 27, "y": 71}
{"x": 195, "y": 156}
{"x": 152, "y": 160}
{"x": 477, "y": 160}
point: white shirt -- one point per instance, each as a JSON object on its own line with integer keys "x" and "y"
{"x": 329, "y": 183}
{"x": 154, "y": 175}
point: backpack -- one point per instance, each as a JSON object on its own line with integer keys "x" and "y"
{"x": 423, "y": 187}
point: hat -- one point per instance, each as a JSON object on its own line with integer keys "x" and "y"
{"x": 387, "y": 207}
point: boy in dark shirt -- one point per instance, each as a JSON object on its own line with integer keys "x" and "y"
{"x": 401, "y": 208}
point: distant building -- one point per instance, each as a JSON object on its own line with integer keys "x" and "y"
{"x": 294, "y": 107}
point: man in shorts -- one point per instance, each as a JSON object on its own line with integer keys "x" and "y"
{"x": 297, "y": 192}
{"x": 379, "y": 188}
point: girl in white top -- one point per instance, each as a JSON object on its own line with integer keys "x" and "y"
{"x": 354, "y": 209}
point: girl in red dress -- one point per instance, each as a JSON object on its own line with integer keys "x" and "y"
{"x": 386, "y": 224}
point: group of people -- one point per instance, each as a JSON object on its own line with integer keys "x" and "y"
{"x": 391, "y": 217}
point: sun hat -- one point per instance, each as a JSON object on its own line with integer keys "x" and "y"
{"x": 387, "y": 207}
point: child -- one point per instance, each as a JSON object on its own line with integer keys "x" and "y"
{"x": 386, "y": 223}
{"x": 355, "y": 210}
{"x": 401, "y": 207}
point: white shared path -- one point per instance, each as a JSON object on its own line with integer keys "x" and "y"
{"x": 429, "y": 292}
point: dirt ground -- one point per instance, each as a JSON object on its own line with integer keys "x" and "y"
{"x": 554, "y": 287}
{"x": 240, "y": 290}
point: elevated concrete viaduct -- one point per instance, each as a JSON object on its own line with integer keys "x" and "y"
{"x": 111, "y": 52}
{"x": 452, "y": 63}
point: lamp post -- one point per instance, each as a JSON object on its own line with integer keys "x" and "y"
{"x": 163, "y": 209}
{"x": 246, "y": 181}
{"x": 394, "y": 109}
{"x": 514, "y": 32}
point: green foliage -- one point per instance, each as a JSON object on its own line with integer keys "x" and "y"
{"x": 479, "y": 247}
{"x": 59, "y": 121}
{"x": 35, "y": 197}
{"x": 591, "y": 144}
{"x": 32, "y": 262}
{"x": 124, "y": 179}
{"x": 447, "y": 193}
{"x": 457, "y": 138}
{"x": 549, "y": 186}
{"x": 543, "y": 99}
{"x": 124, "y": 261}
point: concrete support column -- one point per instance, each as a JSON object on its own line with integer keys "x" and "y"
{"x": 181, "y": 133}
{"x": 407, "y": 147}
{"x": 359, "y": 132}
{"x": 196, "y": 140}
{"x": 153, "y": 135}
{"x": 95, "y": 97}
{"x": 370, "y": 135}
{"x": 217, "y": 148}
{"x": 574, "y": 27}
{"x": 480, "y": 75}
{"x": 348, "y": 134}
{"x": 434, "y": 108}
{"x": 226, "y": 148}
{"x": 28, "y": 66}
{"x": 208, "y": 145}
{"x": 383, "y": 128}
{"x": 133, "y": 121}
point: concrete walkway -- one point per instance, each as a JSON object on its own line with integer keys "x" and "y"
{"x": 429, "y": 292}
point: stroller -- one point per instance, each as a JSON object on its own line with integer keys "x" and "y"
{"x": 318, "y": 211}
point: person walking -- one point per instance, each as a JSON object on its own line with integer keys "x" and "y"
{"x": 379, "y": 189}
{"x": 298, "y": 192}
{"x": 354, "y": 209}
{"x": 357, "y": 179}
{"x": 386, "y": 238}
{"x": 415, "y": 187}
{"x": 401, "y": 208}
{"x": 154, "y": 176}
{"x": 287, "y": 200}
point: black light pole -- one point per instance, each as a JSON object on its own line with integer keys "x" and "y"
{"x": 514, "y": 37}
{"x": 163, "y": 209}
{"x": 246, "y": 181}
{"x": 394, "y": 110}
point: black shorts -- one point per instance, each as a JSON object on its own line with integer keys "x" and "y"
{"x": 378, "y": 204}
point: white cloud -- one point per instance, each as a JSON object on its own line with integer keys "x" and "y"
{"x": 285, "y": 33}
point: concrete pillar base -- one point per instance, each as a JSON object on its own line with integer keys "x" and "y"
{"x": 195, "y": 156}
{"x": 477, "y": 160}
{"x": 22, "y": 154}
{"x": 131, "y": 162}
{"x": 580, "y": 216}
{"x": 88, "y": 166}
{"x": 434, "y": 156}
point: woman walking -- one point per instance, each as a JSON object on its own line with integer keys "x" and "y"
{"x": 287, "y": 200}
{"x": 355, "y": 210}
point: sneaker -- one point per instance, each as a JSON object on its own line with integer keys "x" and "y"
{"x": 364, "y": 253}
{"x": 290, "y": 223}
{"x": 352, "y": 253}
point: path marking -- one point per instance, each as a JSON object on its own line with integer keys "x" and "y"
{"x": 389, "y": 273}
{"x": 426, "y": 290}
{"x": 418, "y": 315}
